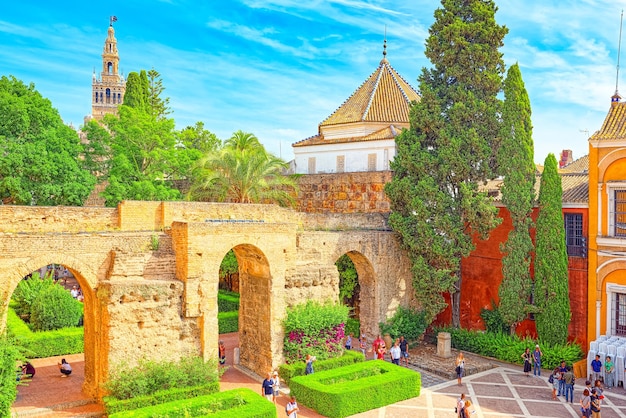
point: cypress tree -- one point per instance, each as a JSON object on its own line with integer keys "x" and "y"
{"x": 551, "y": 278}
{"x": 516, "y": 165}
{"x": 436, "y": 205}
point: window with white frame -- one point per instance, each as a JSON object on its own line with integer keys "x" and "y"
{"x": 618, "y": 314}
{"x": 617, "y": 209}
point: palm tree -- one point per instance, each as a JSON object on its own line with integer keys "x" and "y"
{"x": 243, "y": 172}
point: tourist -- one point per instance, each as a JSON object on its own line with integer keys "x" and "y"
{"x": 65, "y": 368}
{"x": 404, "y": 349}
{"x": 292, "y": 408}
{"x": 609, "y": 371}
{"x": 309, "y": 364}
{"x": 381, "y": 351}
{"x": 569, "y": 380}
{"x": 376, "y": 344}
{"x": 596, "y": 368}
{"x": 74, "y": 292}
{"x": 28, "y": 370}
{"x": 537, "y": 361}
{"x": 267, "y": 387}
{"x": 363, "y": 345}
{"x": 460, "y": 367}
{"x": 349, "y": 341}
{"x": 556, "y": 381}
{"x": 585, "y": 404}
{"x": 222, "y": 353}
{"x": 276, "y": 386}
{"x": 395, "y": 353}
{"x": 596, "y": 399}
{"x": 460, "y": 407}
{"x": 562, "y": 370}
{"x": 526, "y": 356}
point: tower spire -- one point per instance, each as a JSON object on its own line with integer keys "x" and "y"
{"x": 385, "y": 44}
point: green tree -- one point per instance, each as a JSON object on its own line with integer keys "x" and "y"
{"x": 551, "y": 273}
{"x": 192, "y": 144}
{"x": 516, "y": 165}
{"x": 348, "y": 280}
{"x": 243, "y": 172}
{"x": 135, "y": 96}
{"x": 9, "y": 355}
{"x": 97, "y": 149}
{"x": 158, "y": 106}
{"x": 228, "y": 268}
{"x": 39, "y": 154}
{"x": 436, "y": 206}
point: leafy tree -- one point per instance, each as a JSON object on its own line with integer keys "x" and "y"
{"x": 39, "y": 162}
{"x": 135, "y": 95}
{"x": 243, "y": 172}
{"x": 551, "y": 273}
{"x": 436, "y": 206}
{"x": 228, "y": 268}
{"x": 97, "y": 149}
{"x": 55, "y": 308}
{"x": 198, "y": 138}
{"x": 348, "y": 281}
{"x": 516, "y": 164}
{"x": 158, "y": 106}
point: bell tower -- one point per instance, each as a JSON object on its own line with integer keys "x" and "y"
{"x": 108, "y": 89}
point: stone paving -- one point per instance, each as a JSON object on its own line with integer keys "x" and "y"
{"x": 499, "y": 391}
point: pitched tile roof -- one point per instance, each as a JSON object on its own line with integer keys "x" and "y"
{"x": 614, "y": 126}
{"x": 384, "y": 97}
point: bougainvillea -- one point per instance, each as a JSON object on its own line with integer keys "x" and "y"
{"x": 316, "y": 329}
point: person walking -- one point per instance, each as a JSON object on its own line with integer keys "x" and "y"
{"x": 526, "y": 356}
{"x": 395, "y": 353}
{"x": 309, "y": 364}
{"x": 556, "y": 379}
{"x": 267, "y": 387}
{"x": 609, "y": 371}
{"x": 222, "y": 353}
{"x": 569, "y": 379}
{"x": 460, "y": 407}
{"x": 349, "y": 342}
{"x": 404, "y": 349}
{"x": 460, "y": 368}
{"x": 363, "y": 345}
{"x": 563, "y": 370}
{"x": 596, "y": 399}
{"x": 585, "y": 404}
{"x": 275, "y": 386}
{"x": 537, "y": 360}
{"x": 292, "y": 408}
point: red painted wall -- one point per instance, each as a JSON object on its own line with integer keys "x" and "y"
{"x": 482, "y": 275}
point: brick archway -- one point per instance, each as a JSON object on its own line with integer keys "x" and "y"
{"x": 367, "y": 296}
{"x": 96, "y": 364}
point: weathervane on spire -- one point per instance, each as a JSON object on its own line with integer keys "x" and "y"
{"x": 616, "y": 96}
{"x": 112, "y": 19}
{"x": 385, "y": 44}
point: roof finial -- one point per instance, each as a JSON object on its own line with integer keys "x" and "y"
{"x": 616, "y": 96}
{"x": 385, "y": 44}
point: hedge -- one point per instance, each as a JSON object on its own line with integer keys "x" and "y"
{"x": 227, "y": 301}
{"x": 360, "y": 387}
{"x": 289, "y": 371}
{"x": 234, "y": 403}
{"x": 45, "y": 343}
{"x": 116, "y": 406}
{"x": 228, "y": 322}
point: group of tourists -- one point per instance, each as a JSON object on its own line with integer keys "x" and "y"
{"x": 270, "y": 389}
{"x": 397, "y": 353}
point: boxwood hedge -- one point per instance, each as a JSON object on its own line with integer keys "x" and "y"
{"x": 288, "y": 371}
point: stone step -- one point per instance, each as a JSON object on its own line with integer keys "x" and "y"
{"x": 86, "y": 408}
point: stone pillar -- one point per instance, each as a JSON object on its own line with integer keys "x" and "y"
{"x": 236, "y": 355}
{"x": 444, "y": 345}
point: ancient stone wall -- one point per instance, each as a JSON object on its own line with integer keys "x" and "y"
{"x": 344, "y": 192}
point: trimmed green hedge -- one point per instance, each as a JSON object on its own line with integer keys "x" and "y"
{"x": 356, "y": 388}
{"x": 289, "y": 371}
{"x": 234, "y": 403}
{"x": 509, "y": 348}
{"x": 227, "y": 301}
{"x": 45, "y": 343}
{"x": 117, "y": 406}
{"x": 228, "y": 322}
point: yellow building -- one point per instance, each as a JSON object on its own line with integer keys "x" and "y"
{"x": 606, "y": 304}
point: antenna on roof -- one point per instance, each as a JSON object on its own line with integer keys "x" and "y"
{"x": 616, "y": 96}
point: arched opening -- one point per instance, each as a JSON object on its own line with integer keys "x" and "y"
{"x": 357, "y": 290}
{"x": 255, "y": 352}
{"x": 96, "y": 97}
{"x": 110, "y": 67}
{"x": 71, "y": 272}
{"x": 108, "y": 95}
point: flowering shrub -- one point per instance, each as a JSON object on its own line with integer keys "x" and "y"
{"x": 316, "y": 329}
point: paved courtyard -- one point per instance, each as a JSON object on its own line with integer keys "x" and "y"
{"x": 496, "y": 393}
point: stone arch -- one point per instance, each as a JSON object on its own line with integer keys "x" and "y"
{"x": 609, "y": 159}
{"x": 96, "y": 358}
{"x": 369, "y": 301}
{"x": 255, "y": 334}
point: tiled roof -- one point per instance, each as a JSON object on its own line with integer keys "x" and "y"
{"x": 581, "y": 165}
{"x": 389, "y": 132}
{"x": 614, "y": 126}
{"x": 384, "y": 97}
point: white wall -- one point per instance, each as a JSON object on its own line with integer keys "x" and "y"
{"x": 356, "y": 156}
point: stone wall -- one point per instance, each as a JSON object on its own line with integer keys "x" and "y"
{"x": 362, "y": 192}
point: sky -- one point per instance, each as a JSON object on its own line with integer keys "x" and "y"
{"x": 277, "y": 68}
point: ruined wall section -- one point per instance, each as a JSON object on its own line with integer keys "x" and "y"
{"x": 362, "y": 192}
{"x": 66, "y": 219}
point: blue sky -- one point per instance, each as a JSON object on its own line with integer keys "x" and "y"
{"x": 277, "y": 68}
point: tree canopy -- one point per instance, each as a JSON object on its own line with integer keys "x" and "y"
{"x": 39, "y": 154}
{"x": 436, "y": 205}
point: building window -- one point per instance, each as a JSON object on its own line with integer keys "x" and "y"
{"x": 574, "y": 239}
{"x": 341, "y": 163}
{"x": 371, "y": 162}
{"x": 311, "y": 165}
{"x": 108, "y": 93}
{"x": 619, "y": 313}
{"x": 619, "y": 213}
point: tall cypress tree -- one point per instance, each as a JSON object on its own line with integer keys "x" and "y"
{"x": 551, "y": 278}
{"x": 516, "y": 165}
{"x": 440, "y": 161}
